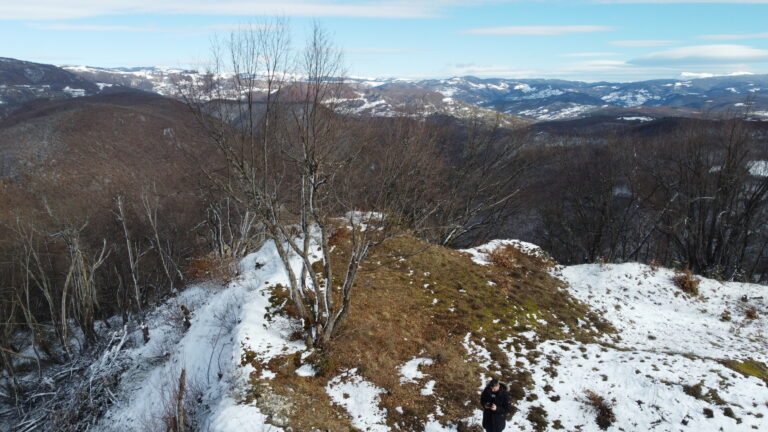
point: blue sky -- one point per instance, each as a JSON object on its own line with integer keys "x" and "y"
{"x": 590, "y": 40}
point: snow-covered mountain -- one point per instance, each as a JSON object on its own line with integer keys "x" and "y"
{"x": 558, "y": 100}
{"x": 532, "y": 99}
{"x": 22, "y": 82}
{"x": 536, "y": 99}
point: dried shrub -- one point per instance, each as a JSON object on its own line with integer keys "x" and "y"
{"x": 537, "y": 415}
{"x": 338, "y": 236}
{"x": 725, "y": 316}
{"x": 605, "y": 416}
{"x": 512, "y": 258}
{"x": 654, "y": 265}
{"x": 751, "y": 313}
{"x": 687, "y": 282}
{"x": 211, "y": 266}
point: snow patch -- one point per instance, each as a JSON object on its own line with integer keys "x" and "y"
{"x": 361, "y": 400}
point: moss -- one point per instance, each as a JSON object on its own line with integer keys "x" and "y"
{"x": 749, "y": 368}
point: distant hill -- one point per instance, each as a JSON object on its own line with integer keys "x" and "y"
{"x": 22, "y": 82}
{"x": 537, "y": 99}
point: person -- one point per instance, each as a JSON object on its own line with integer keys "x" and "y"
{"x": 496, "y": 404}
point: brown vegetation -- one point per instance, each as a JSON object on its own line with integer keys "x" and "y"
{"x": 414, "y": 299}
{"x": 687, "y": 282}
{"x": 604, "y": 409}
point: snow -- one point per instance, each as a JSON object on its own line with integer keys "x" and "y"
{"x": 480, "y": 253}
{"x": 636, "y": 118}
{"x": 646, "y": 389}
{"x": 306, "y": 371}
{"x": 361, "y": 400}
{"x": 630, "y": 98}
{"x": 224, "y": 322}
{"x": 409, "y": 372}
{"x": 234, "y": 417}
{"x": 74, "y": 92}
{"x": 651, "y": 313}
{"x": 665, "y": 340}
{"x": 758, "y": 168}
{"x": 570, "y": 111}
{"x": 429, "y": 388}
{"x": 525, "y": 88}
{"x": 434, "y": 426}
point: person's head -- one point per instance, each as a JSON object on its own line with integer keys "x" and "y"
{"x": 494, "y": 385}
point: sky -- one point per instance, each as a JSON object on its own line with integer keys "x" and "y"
{"x": 589, "y": 40}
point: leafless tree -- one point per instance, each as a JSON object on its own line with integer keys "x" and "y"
{"x": 714, "y": 204}
{"x": 287, "y": 151}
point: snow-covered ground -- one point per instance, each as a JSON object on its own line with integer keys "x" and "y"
{"x": 664, "y": 370}
{"x": 224, "y": 321}
{"x": 651, "y": 313}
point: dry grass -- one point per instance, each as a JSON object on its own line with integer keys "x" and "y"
{"x": 511, "y": 258}
{"x": 687, "y": 282}
{"x": 604, "y": 409}
{"x": 413, "y": 299}
{"x": 751, "y": 313}
{"x": 211, "y": 266}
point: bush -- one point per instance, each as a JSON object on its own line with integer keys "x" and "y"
{"x": 687, "y": 282}
{"x": 511, "y": 257}
{"x": 725, "y": 316}
{"x": 211, "y": 266}
{"x": 605, "y": 415}
{"x": 537, "y": 415}
{"x": 751, "y": 313}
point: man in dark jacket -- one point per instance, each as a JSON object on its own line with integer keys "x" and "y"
{"x": 496, "y": 404}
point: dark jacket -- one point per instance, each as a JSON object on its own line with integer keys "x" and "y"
{"x": 495, "y": 421}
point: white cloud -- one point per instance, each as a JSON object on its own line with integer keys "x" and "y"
{"x": 495, "y": 71}
{"x": 694, "y": 75}
{"x": 704, "y": 54}
{"x": 61, "y": 10}
{"x": 137, "y": 29}
{"x": 539, "y": 30}
{"x": 735, "y": 36}
{"x": 591, "y": 54}
{"x": 643, "y": 43}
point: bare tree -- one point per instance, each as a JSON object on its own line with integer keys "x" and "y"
{"x": 719, "y": 204}
{"x": 80, "y": 283}
{"x": 286, "y": 152}
{"x": 482, "y": 179}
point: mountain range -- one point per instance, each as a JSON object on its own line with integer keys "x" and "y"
{"x": 520, "y": 100}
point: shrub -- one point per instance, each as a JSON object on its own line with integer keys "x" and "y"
{"x": 687, "y": 282}
{"x": 725, "y": 316}
{"x": 751, "y": 313}
{"x": 605, "y": 415}
{"x": 512, "y": 258}
{"x": 211, "y": 266}
{"x": 537, "y": 415}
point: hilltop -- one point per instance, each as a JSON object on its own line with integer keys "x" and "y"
{"x": 430, "y": 325}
